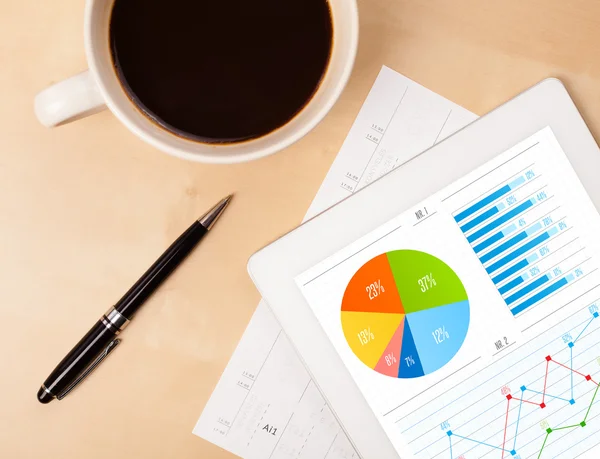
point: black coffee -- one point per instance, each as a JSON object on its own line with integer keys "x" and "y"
{"x": 221, "y": 71}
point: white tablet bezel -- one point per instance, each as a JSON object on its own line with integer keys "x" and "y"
{"x": 274, "y": 268}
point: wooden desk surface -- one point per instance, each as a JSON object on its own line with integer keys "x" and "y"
{"x": 84, "y": 210}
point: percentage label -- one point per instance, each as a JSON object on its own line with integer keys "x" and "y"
{"x": 544, "y": 250}
{"x": 375, "y": 289}
{"x": 530, "y": 174}
{"x": 557, "y": 271}
{"x": 427, "y": 282}
{"x": 410, "y": 361}
{"x": 562, "y": 226}
{"x": 440, "y": 335}
{"x": 579, "y": 272}
{"x": 544, "y": 425}
{"x": 567, "y": 338}
{"x": 390, "y": 359}
{"x": 511, "y": 200}
{"x": 534, "y": 271}
{"x": 365, "y": 336}
{"x": 593, "y": 308}
{"x": 547, "y": 221}
{"x": 541, "y": 196}
{"x": 445, "y": 426}
{"x": 522, "y": 222}
{"x": 505, "y": 390}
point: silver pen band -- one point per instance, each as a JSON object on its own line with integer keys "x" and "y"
{"x": 114, "y": 321}
{"x": 48, "y": 391}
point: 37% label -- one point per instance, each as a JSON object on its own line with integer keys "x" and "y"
{"x": 427, "y": 282}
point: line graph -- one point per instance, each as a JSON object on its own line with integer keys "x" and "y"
{"x": 538, "y": 400}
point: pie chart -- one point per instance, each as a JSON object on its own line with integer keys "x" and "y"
{"x": 405, "y": 314}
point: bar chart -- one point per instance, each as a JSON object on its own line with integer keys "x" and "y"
{"x": 521, "y": 235}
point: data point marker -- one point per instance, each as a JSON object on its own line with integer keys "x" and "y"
{"x": 548, "y": 358}
{"x": 509, "y": 397}
{"x": 588, "y": 377}
{"x": 549, "y": 430}
{"x": 571, "y": 344}
{"x": 596, "y": 315}
{"x": 523, "y": 388}
{"x": 542, "y": 405}
{"x": 513, "y": 453}
{"x": 449, "y": 433}
{"x": 572, "y": 402}
{"x": 583, "y": 424}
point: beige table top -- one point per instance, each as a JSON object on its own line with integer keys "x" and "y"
{"x": 84, "y": 210}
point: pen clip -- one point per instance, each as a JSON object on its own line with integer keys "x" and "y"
{"x": 91, "y": 367}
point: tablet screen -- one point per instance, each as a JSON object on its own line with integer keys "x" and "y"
{"x": 470, "y": 323}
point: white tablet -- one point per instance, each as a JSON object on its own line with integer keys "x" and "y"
{"x": 450, "y": 309}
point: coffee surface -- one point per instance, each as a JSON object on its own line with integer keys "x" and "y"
{"x": 221, "y": 71}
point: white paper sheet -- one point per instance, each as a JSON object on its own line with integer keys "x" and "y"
{"x": 266, "y": 404}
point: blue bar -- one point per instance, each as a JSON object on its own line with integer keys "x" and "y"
{"x": 480, "y": 219}
{"x": 502, "y": 247}
{"x": 517, "y": 253}
{"x": 489, "y": 241}
{"x": 510, "y": 271}
{"x": 501, "y": 220}
{"x": 515, "y": 240}
{"x": 509, "y": 229}
{"x": 481, "y": 204}
{"x": 512, "y": 284}
{"x": 495, "y": 238}
{"x": 540, "y": 295}
{"x": 534, "y": 229}
{"x": 527, "y": 289}
{"x": 516, "y": 182}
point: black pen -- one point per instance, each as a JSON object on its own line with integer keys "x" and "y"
{"x": 101, "y": 339}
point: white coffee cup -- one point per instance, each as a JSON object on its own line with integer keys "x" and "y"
{"x": 97, "y": 88}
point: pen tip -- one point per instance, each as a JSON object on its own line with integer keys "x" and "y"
{"x": 209, "y": 218}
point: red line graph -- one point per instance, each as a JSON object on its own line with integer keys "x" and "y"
{"x": 505, "y": 426}
{"x": 542, "y": 405}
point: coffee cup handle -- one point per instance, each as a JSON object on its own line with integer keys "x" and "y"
{"x": 69, "y": 100}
